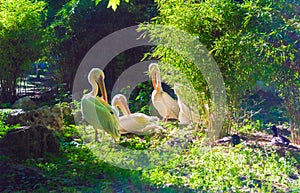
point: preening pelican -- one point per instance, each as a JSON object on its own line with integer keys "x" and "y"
{"x": 166, "y": 106}
{"x": 186, "y": 115}
{"x": 137, "y": 123}
{"x": 95, "y": 110}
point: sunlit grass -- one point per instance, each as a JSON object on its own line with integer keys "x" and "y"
{"x": 241, "y": 168}
{"x": 196, "y": 168}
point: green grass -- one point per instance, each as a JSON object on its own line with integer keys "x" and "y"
{"x": 3, "y": 127}
{"x": 229, "y": 169}
{"x": 197, "y": 169}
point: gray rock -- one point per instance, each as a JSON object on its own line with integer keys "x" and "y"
{"x": 17, "y": 116}
{"x": 29, "y": 142}
{"x": 46, "y": 116}
{"x": 24, "y": 103}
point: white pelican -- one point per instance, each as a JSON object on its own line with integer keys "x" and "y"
{"x": 95, "y": 110}
{"x": 137, "y": 123}
{"x": 166, "y": 106}
{"x": 186, "y": 115}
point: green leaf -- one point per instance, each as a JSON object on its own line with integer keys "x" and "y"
{"x": 97, "y": 2}
{"x": 113, "y": 4}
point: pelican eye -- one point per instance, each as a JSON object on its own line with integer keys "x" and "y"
{"x": 111, "y": 112}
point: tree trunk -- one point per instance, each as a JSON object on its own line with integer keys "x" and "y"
{"x": 8, "y": 91}
{"x": 295, "y": 127}
{"x": 37, "y": 71}
{"x": 294, "y": 115}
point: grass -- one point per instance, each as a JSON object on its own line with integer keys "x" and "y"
{"x": 3, "y": 127}
{"x": 197, "y": 168}
{"x": 228, "y": 169}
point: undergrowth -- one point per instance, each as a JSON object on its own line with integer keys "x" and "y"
{"x": 197, "y": 168}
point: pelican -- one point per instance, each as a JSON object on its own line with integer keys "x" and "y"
{"x": 137, "y": 123}
{"x": 95, "y": 110}
{"x": 166, "y": 106}
{"x": 186, "y": 115}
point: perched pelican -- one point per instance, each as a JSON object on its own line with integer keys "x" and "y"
{"x": 166, "y": 106}
{"x": 186, "y": 115}
{"x": 137, "y": 123}
{"x": 95, "y": 110}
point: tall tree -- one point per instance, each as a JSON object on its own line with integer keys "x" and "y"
{"x": 21, "y": 41}
{"x": 250, "y": 40}
{"x": 78, "y": 24}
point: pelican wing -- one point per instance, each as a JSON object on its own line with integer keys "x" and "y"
{"x": 158, "y": 103}
{"x": 99, "y": 114}
{"x": 172, "y": 105}
{"x": 184, "y": 113}
{"x": 136, "y": 123}
{"x": 142, "y": 118}
{"x": 187, "y": 115}
{"x": 131, "y": 123}
{"x": 149, "y": 129}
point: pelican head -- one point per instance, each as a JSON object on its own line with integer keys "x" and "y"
{"x": 155, "y": 74}
{"x": 120, "y": 101}
{"x": 96, "y": 78}
{"x": 153, "y": 66}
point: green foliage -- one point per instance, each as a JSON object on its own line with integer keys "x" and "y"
{"x": 112, "y": 3}
{"x": 149, "y": 142}
{"x": 21, "y": 40}
{"x": 239, "y": 169}
{"x": 136, "y": 143}
{"x": 78, "y": 169}
{"x": 5, "y": 105}
{"x": 3, "y": 127}
{"x": 247, "y": 126}
{"x": 142, "y": 98}
{"x": 69, "y": 133}
{"x": 250, "y": 40}
{"x": 73, "y": 30}
{"x": 227, "y": 169}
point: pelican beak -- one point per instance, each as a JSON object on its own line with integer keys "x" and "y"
{"x": 124, "y": 107}
{"x": 102, "y": 88}
{"x": 153, "y": 79}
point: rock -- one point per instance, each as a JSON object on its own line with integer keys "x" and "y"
{"x": 46, "y": 116}
{"x": 29, "y": 142}
{"x": 24, "y": 103}
{"x": 17, "y": 116}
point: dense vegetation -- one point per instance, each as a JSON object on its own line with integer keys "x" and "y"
{"x": 254, "y": 45}
{"x": 250, "y": 40}
{"x": 19, "y": 45}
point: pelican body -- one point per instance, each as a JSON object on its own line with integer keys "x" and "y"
{"x": 95, "y": 110}
{"x": 186, "y": 115}
{"x": 137, "y": 123}
{"x": 166, "y": 106}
